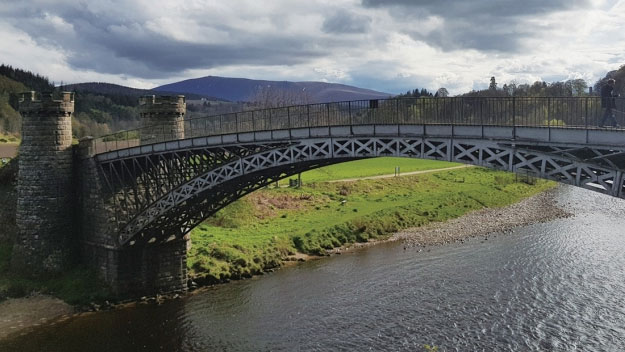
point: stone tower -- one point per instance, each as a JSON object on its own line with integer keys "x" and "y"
{"x": 44, "y": 204}
{"x": 162, "y": 118}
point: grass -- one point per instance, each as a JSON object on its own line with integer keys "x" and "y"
{"x": 78, "y": 286}
{"x": 261, "y": 229}
{"x": 372, "y": 167}
{"x": 9, "y": 139}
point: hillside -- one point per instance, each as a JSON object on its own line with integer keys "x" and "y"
{"x": 242, "y": 89}
{"x": 9, "y": 118}
{"x": 118, "y": 90}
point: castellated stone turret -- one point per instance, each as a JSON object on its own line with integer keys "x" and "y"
{"x": 162, "y": 118}
{"x": 44, "y": 206}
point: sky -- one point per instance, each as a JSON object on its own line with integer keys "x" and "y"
{"x": 386, "y": 45}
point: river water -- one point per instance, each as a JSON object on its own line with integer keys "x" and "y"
{"x": 556, "y": 286}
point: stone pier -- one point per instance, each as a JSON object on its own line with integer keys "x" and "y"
{"x": 129, "y": 270}
{"x": 162, "y": 118}
{"x": 45, "y": 190}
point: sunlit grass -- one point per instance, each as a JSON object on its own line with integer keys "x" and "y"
{"x": 372, "y": 167}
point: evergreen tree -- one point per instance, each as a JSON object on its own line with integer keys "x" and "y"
{"x": 493, "y": 84}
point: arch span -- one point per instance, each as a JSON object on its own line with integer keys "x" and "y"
{"x": 163, "y": 195}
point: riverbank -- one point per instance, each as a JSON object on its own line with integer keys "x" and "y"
{"x": 485, "y": 222}
{"x": 17, "y": 315}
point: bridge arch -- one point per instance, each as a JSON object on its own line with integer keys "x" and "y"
{"x": 198, "y": 180}
{"x": 140, "y": 200}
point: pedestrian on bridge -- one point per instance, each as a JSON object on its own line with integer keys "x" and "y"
{"x": 608, "y": 103}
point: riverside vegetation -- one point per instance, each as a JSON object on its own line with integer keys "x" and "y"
{"x": 268, "y": 227}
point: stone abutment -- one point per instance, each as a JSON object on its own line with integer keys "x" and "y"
{"x": 45, "y": 191}
{"x": 66, "y": 212}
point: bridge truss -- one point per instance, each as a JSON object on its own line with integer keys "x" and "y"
{"x": 159, "y": 196}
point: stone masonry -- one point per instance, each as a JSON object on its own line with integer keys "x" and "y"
{"x": 45, "y": 202}
{"x": 162, "y": 118}
{"x": 130, "y": 271}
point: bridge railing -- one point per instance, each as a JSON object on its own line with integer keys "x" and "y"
{"x": 548, "y": 112}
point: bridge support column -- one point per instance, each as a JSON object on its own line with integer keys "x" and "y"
{"x": 45, "y": 192}
{"x": 130, "y": 271}
{"x": 162, "y": 118}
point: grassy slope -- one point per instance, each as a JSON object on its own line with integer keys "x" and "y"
{"x": 371, "y": 167}
{"x": 259, "y": 230}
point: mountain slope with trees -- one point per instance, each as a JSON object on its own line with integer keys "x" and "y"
{"x": 247, "y": 90}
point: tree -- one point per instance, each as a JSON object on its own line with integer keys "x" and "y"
{"x": 579, "y": 86}
{"x": 271, "y": 97}
{"x": 442, "y": 92}
{"x": 493, "y": 84}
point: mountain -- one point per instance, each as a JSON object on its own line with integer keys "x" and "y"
{"x": 110, "y": 89}
{"x": 242, "y": 89}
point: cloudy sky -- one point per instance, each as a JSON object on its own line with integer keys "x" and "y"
{"x": 387, "y": 45}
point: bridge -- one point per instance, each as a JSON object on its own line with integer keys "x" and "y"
{"x": 139, "y": 192}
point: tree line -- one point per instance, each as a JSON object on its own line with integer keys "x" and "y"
{"x": 102, "y": 108}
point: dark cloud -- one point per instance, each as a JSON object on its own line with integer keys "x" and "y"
{"x": 487, "y": 25}
{"x": 346, "y": 22}
{"x": 117, "y": 45}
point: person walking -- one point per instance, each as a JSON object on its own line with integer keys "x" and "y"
{"x": 608, "y": 103}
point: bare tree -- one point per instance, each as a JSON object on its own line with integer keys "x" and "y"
{"x": 273, "y": 97}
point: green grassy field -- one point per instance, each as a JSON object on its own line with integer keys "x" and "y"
{"x": 372, "y": 167}
{"x": 261, "y": 229}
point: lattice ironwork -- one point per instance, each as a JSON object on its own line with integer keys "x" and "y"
{"x": 163, "y": 196}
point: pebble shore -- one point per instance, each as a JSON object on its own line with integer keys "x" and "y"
{"x": 539, "y": 208}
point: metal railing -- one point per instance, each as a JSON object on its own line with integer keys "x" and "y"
{"x": 550, "y": 112}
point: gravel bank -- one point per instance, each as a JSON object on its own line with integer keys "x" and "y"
{"x": 539, "y": 208}
{"x": 19, "y": 314}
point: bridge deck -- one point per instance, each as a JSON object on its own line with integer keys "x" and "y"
{"x": 569, "y": 135}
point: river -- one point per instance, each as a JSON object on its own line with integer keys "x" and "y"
{"x": 555, "y": 286}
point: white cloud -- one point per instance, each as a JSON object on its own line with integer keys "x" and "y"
{"x": 405, "y": 46}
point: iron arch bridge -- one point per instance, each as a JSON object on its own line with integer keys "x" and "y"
{"x": 162, "y": 190}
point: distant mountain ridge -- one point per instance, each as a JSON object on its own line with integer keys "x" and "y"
{"x": 243, "y": 89}
{"x": 116, "y": 89}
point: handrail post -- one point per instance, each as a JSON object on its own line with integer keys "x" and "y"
{"x": 328, "y": 112}
{"x": 308, "y": 114}
{"x": 397, "y": 111}
{"x": 236, "y": 123}
{"x": 349, "y": 109}
{"x": 513, "y": 118}
{"x": 462, "y": 110}
{"x": 586, "y": 113}
{"x": 549, "y": 112}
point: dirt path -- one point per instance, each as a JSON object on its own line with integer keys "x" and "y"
{"x": 401, "y": 174}
{"x": 17, "y": 314}
{"x": 8, "y": 150}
